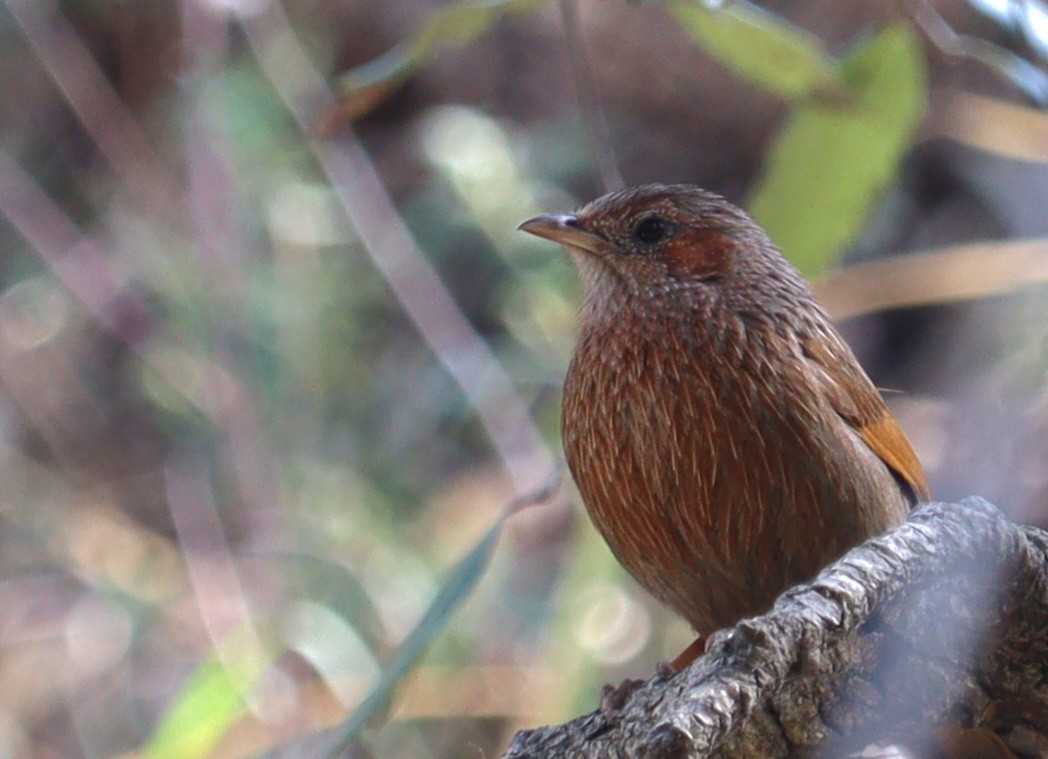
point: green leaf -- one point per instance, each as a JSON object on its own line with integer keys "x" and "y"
{"x": 362, "y": 87}
{"x": 335, "y": 586}
{"x": 760, "y": 47}
{"x": 832, "y": 161}
{"x": 456, "y": 589}
{"x": 209, "y": 704}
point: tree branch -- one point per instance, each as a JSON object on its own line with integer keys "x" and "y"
{"x": 942, "y": 622}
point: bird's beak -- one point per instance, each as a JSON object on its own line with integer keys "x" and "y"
{"x": 565, "y": 229}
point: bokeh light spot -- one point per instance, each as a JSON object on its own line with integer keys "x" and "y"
{"x": 613, "y": 626}
{"x": 31, "y": 313}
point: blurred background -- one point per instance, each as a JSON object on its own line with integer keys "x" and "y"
{"x": 275, "y": 365}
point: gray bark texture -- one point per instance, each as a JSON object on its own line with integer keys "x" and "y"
{"x": 938, "y": 626}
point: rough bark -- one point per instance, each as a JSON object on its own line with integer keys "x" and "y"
{"x": 942, "y": 622}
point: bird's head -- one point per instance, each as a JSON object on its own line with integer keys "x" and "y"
{"x": 664, "y": 240}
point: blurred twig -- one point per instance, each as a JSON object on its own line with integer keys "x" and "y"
{"x": 212, "y": 570}
{"x": 214, "y": 697}
{"x": 454, "y": 23}
{"x": 593, "y": 120}
{"x": 417, "y": 286}
{"x": 1031, "y": 80}
{"x": 964, "y": 272}
{"x": 992, "y": 125}
{"x": 221, "y": 251}
{"x": 78, "y": 262}
{"x": 80, "y": 265}
{"x": 210, "y": 195}
{"x": 147, "y": 179}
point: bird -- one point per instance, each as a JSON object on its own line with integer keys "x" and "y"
{"x": 724, "y": 438}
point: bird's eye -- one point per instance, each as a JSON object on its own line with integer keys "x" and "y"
{"x": 651, "y": 230}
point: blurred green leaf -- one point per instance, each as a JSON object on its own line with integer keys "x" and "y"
{"x": 209, "y": 704}
{"x": 831, "y": 162}
{"x": 760, "y": 47}
{"x": 336, "y": 587}
{"x": 456, "y": 589}
{"x": 364, "y": 87}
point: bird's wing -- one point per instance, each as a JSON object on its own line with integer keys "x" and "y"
{"x": 836, "y": 371}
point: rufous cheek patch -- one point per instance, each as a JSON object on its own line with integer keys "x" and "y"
{"x": 698, "y": 253}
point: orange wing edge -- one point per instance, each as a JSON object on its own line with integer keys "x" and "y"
{"x": 886, "y": 439}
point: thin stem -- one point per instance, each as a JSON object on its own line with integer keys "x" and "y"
{"x": 1027, "y": 77}
{"x": 593, "y": 120}
{"x": 112, "y": 127}
{"x": 221, "y": 252}
{"x": 468, "y": 359}
{"x": 946, "y": 275}
{"x": 79, "y": 262}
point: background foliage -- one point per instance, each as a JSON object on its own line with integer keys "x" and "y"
{"x": 279, "y": 380}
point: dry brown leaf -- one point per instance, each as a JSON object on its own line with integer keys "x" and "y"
{"x": 963, "y": 272}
